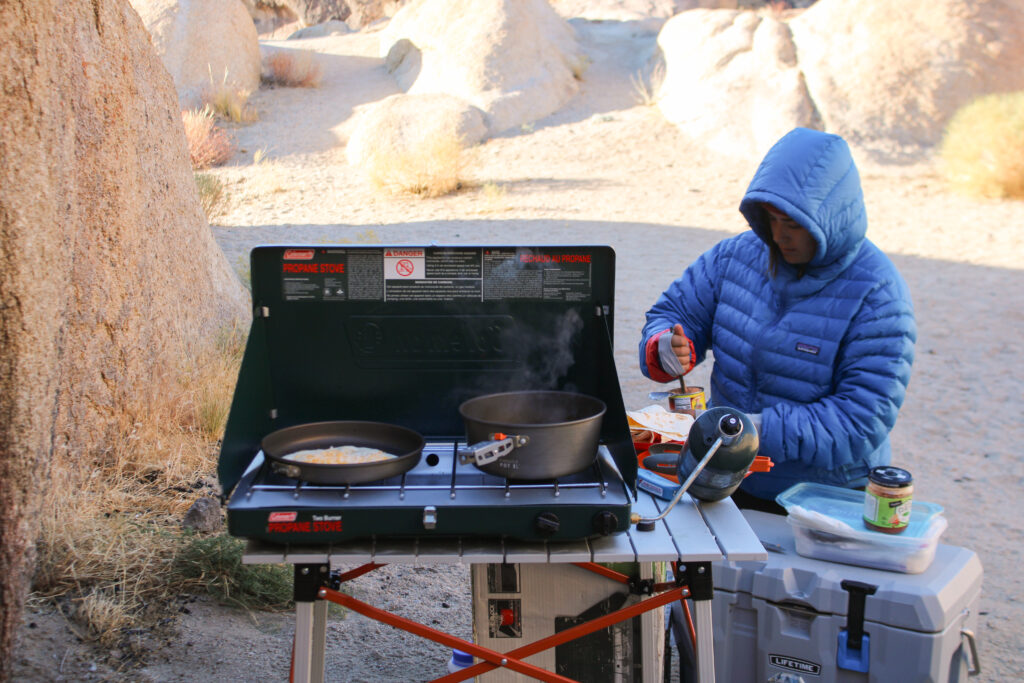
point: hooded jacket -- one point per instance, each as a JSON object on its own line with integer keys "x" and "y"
{"x": 822, "y": 351}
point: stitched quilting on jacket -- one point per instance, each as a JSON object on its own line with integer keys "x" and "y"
{"x": 823, "y": 352}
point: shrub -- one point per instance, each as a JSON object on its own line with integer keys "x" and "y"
{"x": 208, "y": 144}
{"x": 110, "y": 542}
{"x": 292, "y": 69}
{"x": 211, "y": 193}
{"x": 216, "y": 563}
{"x": 430, "y": 167}
{"x": 983, "y": 147}
{"x": 227, "y": 101}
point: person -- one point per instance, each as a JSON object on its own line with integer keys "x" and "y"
{"x": 811, "y": 326}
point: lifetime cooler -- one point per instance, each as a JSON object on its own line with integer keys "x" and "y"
{"x": 795, "y": 619}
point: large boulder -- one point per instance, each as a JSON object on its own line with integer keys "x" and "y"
{"x": 632, "y": 10}
{"x": 732, "y": 80}
{"x": 270, "y": 15}
{"x": 206, "y": 45}
{"x": 886, "y": 76}
{"x": 893, "y": 73}
{"x": 110, "y": 274}
{"x": 400, "y": 124}
{"x": 516, "y": 60}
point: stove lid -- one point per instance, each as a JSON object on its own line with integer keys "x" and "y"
{"x": 405, "y": 334}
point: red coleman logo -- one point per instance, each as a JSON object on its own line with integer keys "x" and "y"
{"x": 298, "y": 254}
{"x": 283, "y": 516}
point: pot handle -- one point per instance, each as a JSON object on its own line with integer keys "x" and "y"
{"x": 485, "y": 452}
{"x": 291, "y": 471}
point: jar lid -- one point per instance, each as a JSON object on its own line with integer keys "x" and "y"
{"x": 890, "y": 476}
{"x": 462, "y": 658}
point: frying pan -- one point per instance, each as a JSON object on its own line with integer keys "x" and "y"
{"x": 404, "y": 443}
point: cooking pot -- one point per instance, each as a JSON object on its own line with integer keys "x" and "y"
{"x": 403, "y": 443}
{"x": 532, "y": 434}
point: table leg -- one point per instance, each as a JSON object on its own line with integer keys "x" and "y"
{"x": 310, "y": 624}
{"x": 698, "y": 579}
{"x": 302, "y": 653}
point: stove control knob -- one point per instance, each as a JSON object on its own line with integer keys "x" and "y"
{"x": 546, "y": 523}
{"x": 606, "y": 523}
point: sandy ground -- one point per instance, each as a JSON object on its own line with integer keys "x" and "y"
{"x": 608, "y": 170}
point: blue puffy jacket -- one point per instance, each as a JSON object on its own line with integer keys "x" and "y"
{"x": 824, "y": 354}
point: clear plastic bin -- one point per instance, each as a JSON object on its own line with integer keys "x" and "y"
{"x": 828, "y": 524}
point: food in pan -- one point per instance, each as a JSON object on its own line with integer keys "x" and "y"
{"x": 339, "y": 455}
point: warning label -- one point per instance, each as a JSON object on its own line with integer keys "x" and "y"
{"x": 405, "y": 264}
{"x": 435, "y": 274}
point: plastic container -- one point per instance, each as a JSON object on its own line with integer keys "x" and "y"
{"x": 828, "y": 524}
{"x": 459, "y": 660}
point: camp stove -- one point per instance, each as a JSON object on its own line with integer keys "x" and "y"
{"x": 403, "y": 336}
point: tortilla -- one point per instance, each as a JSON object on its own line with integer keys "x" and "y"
{"x": 671, "y": 426}
{"x": 339, "y": 455}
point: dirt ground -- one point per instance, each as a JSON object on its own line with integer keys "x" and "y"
{"x": 607, "y": 170}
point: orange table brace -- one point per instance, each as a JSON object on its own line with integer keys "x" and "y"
{"x": 512, "y": 659}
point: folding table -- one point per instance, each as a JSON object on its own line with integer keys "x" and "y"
{"x": 694, "y": 534}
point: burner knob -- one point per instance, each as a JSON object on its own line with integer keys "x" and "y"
{"x": 606, "y": 523}
{"x": 546, "y": 523}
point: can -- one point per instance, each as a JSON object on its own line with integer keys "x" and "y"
{"x": 689, "y": 401}
{"x": 887, "y": 499}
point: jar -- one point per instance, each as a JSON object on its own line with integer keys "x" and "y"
{"x": 460, "y": 660}
{"x": 887, "y": 499}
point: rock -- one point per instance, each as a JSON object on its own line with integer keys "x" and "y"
{"x": 204, "y": 44}
{"x": 204, "y": 515}
{"x": 111, "y": 279}
{"x": 270, "y": 15}
{"x": 401, "y": 123}
{"x": 312, "y": 12}
{"x": 884, "y": 73}
{"x": 328, "y": 28}
{"x": 732, "y": 80}
{"x": 516, "y": 60}
{"x": 632, "y": 10}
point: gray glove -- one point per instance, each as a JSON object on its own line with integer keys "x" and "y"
{"x": 667, "y": 357}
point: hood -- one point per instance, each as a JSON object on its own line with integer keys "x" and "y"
{"x": 812, "y": 177}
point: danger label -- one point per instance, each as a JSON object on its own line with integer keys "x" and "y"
{"x": 405, "y": 264}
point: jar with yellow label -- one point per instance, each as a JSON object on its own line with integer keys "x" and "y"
{"x": 887, "y": 499}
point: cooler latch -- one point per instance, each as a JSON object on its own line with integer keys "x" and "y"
{"x": 853, "y": 653}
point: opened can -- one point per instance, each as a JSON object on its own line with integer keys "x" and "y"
{"x": 689, "y": 401}
{"x": 887, "y": 499}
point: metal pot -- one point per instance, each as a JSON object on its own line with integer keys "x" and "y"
{"x": 404, "y": 443}
{"x": 532, "y": 434}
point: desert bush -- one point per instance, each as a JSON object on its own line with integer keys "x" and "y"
{"x": 646, "y": 89}
{"x": 982, "y": 150}
{"x": 430, "y": 167}
{"x": 208, "y": 144}
{"x": 215, "y": 562}
{"x": 227, "y": 101}
{"x": 292, "y": 69}
{"x": 211, "y": 193}
{"x": 110, "y": 533}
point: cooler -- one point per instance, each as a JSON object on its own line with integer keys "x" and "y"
{"x": 794, "y": 618}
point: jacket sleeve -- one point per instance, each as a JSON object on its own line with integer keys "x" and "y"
{"x": 871, "y": 376}
{"x": 689, "y": 301}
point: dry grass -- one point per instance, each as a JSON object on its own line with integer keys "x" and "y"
{"x": 433, "y": 166}
{"x": 211, "y": 194}
{"x": 110, "y": 537}
{"x": 292, "y": 69}
{"x": 646, "y": 89}
{"x": 208, "y": 144}
{"x": 983, "y": 148}
{"x": 229, "y": 102}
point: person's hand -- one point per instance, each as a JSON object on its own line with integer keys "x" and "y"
{"x": 681, "y": 345}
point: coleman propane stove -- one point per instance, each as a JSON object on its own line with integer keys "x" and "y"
{"x": 393, "y": 343}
